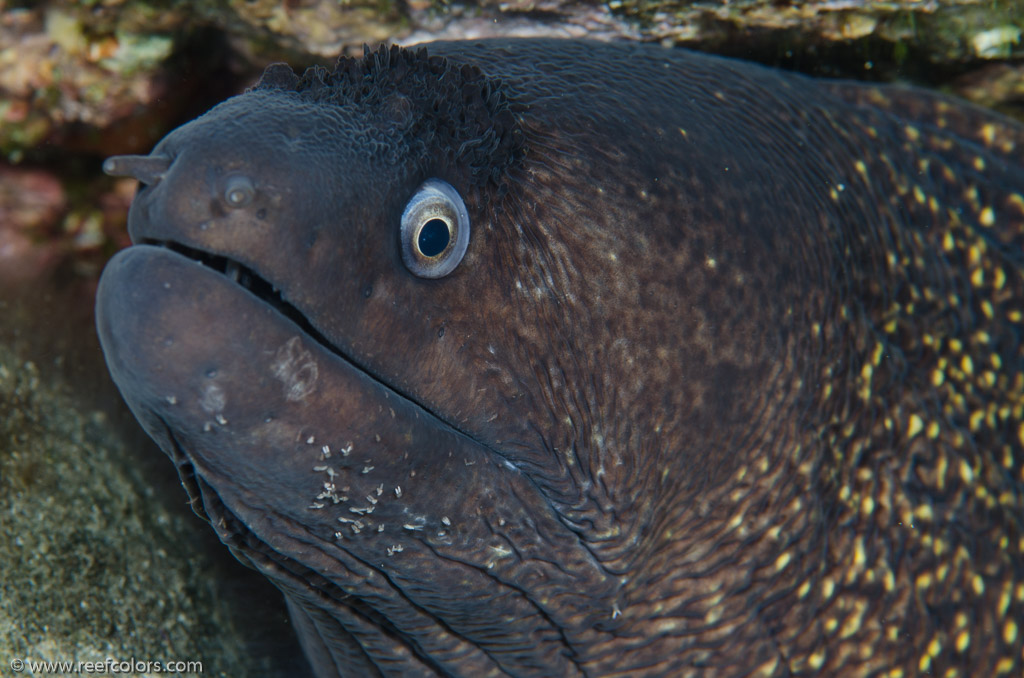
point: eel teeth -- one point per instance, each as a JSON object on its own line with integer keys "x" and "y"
{"x": 233, "y": 270}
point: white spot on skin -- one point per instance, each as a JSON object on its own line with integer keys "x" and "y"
{"x": 171, "y": 400}
{"x": 213, "y": 399}
{"x": 295, "y": 367}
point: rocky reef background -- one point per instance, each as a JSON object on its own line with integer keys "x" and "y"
{"x": 99, "y": 556}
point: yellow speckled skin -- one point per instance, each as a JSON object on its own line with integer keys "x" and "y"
{"x": 730, "y": 381}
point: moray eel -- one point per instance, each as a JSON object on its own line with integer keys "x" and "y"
{"x": 561, "y": 358}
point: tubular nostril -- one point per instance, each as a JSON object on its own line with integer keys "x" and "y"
{"x": 149, "y": 169}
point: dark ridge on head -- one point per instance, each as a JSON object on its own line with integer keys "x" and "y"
{"x": 450, "y": 115}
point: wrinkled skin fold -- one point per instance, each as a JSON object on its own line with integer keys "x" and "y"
{"x": 729, "y": 380}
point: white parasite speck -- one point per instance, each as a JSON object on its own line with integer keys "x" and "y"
{"x": 380, "y": 528}
{"x": 310, "y": 440}
{"x": 320, "y": 469}
{"x": 221, "y": 420}
{"x": 326, "y": 451}
{"x": 616, "y": 612}
{"x": 361, "y": 510}
{"x": 367, "y": 469}
{"x": 171, "y": 400}
{"x": 412, "y": 527}
{"x": 398, "y": 491}
{"x": 397, "y": 548}
{"x": 446, "y": 521}
{"x": 345, "y": 450}
{"x": 316, "y": 505}
{"x": 337, "y": 535}
{"x": 500, "y": 551}
{"x": 376, "y": 436}
{"x": 380, "y": 489}
{"x": 207, "y": 427}
{"x": 370, "y": 498}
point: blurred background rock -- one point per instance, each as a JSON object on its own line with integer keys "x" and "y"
{"x": 98, "y": 554}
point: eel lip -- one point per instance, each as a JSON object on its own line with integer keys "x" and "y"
{"x": 247, "y": 278}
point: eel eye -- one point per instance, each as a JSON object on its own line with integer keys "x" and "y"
{"x": 435, "y": 230}
{"x": 238, "y": 191}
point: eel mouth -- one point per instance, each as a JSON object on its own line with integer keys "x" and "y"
{"x": 269, "y": 294}
{"x": 250, "y": 280}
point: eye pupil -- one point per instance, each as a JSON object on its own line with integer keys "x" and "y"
{"x": 433, "y": 238}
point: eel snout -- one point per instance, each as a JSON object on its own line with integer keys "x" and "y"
{"x": 148, "y": 169}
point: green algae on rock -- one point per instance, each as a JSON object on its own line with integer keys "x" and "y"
{"x": 92, "y": 563}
